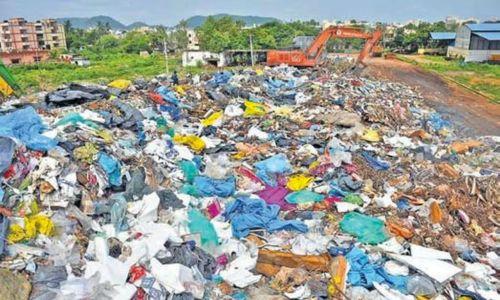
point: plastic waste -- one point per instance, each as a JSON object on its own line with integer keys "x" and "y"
{"x": 112, "y": 168}
{"x": 168, "y": 95}
{"x": 420, "y": 286}
{"x": 27, "y": 126}
{"x": 371, "y": 135}
{"x": 214, "y": 119}
{"x": 253, "y": 109}
{"x": 194, "y": 142}
{"x": 189, "y": 169}
{"x": 299, "y": 182}
{"x": 304, "y": 196}
{"x": 367, "y": 229}
{"x": 208, "y": 187}
{"x": 268, "y": 169}
{"x": 7, "y": 148}
{"x": 354, "y": 199}
{"x": 121, "y": 84}
{"x": 198, "y": 223}
{"x": 374, "y": 162}
{"x": 247, "y": 213}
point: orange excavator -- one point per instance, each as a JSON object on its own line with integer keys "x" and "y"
{"x": 311, "y": 57}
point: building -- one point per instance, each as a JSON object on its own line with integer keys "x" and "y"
{"x": 27, "y": 42}
{"x": 476, "y": 42}
{"x": 193, "y": 42}
{"x": 439, "y": 43}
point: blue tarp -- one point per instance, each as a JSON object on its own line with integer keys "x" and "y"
{"x": 208, "y": 187}
{"x": 173, "y": 111}
{"x": 268, "y": 169}
{"x": 247, "y": 213}
{"x": 112, "y": 168}
{"x": 220, "y": 78}
{"x": 26, "y": 125}
{"x": 7, "y": 148}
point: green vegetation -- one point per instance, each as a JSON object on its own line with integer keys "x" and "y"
{"x": 103, "y": 69}
{"x": 410, "y": 37}
{"x": 480, "y": 77}
{"x": 225, "y": 33}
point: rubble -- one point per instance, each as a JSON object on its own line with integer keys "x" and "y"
{"x": 283, "y": 183}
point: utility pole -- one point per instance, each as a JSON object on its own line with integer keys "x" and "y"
{"x": 251, "y": 51}
{"x": 166, "y": 54}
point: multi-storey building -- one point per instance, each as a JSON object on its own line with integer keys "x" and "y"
{"x": 26, "y": 42}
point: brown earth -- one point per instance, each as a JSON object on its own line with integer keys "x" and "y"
{"x": 471, "y": 113}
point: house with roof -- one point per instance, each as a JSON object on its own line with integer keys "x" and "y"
{"x": 477, "y": 42}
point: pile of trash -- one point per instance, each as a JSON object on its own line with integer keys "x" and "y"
{"x": 275, "y": 183}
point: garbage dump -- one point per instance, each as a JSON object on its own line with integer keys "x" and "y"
{"x": 275, "y": 183}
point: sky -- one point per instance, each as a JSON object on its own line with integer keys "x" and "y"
{"x": 169, "y": 12}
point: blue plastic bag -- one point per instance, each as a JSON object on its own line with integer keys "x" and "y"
{"x": 268, "y": 169}
{"x": 168, "y": 95}
{"x": 118, "y": 212}
{"x": 26, "y": 125}
{"x": 112, "y": 169}
{"x": 304, "y": 196}
{"x": 247, "y": 213}
{"x": 364, "y": 273}
{"x": 208, "y": 187}
{"x": 173, "y": 111}
{"x": 377, "y": 164}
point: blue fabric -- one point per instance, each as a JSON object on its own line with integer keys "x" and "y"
{"x": 167, "y": 95}
{"x": 112, "y": 168}
{"x": 26, "y": 125}
{"x": 268, "y": 169}
{"x": 363, "y": 273}
{"x": 2, "y": 193}
{"x": 246, "y": 214}
{"x": 375, "y": 163}
{"x": 208, "y": 187}
{"x": 173, "y": 111}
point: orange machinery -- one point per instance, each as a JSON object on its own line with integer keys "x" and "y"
{"x": 311, "y": 56}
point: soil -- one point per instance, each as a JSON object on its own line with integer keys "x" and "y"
{"x": 472, "y": 114}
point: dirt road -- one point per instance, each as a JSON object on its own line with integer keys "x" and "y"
{"x": 472, "y": 114}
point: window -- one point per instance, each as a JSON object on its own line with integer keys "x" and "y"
{"x": 23, "y": 31}
{"x": 26, "y": 47}
{"x": 54, "y": 38}
{"x": 6, "y": 36}
{"x": 15, "y": 61}
{"x": 37, "y": 58}
{"x": 8, "y": 44}
{"x": 56, "y": 45}
{"x": 24, "y": 39}
{"x": 38, "y": 28}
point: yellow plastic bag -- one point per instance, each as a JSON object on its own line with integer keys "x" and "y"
{"x": 299, "y": 182}
{"x": 284, "y": 110}
{"x": 120, "y": 84}
{"x": 371, "y": 135}
{"x": 192, "y": 141}
{"x": 212, "y": 119}
{"x": 180, "y": 89}
{"x": 33, "y": 226}
{"x": 259, "y": 72}
{"x": 253, "y": 109}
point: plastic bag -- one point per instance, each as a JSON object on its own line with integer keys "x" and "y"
{"x": 86, "y": 153}
{"x": 26, "y": 126}
{"x": 189, "y": 169}
{"x": 253, "y": 109}
{"x": 121, "y": 84}
{"x": 7, "y": 148}
{"x": 268, "y": 169}
{"x": 194, "y": 142}
{"x": 112, "y": 169}
{"x": 304, "y": 196}
{"x": 208, "y": 187}
{"x": 198, "y": 223}
{"x": 299, "y": 182}
{"x": 371, "y": 135}
{"x": 33, "y": 225}
{"x": 354, "y": 199}
{"x": 367, "y": 229}
{"x": 214, "y": 119}
{"x": 375, "y": 163}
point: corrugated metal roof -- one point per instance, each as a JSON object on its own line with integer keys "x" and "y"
{"x": 443, "y": 35}
{"x": 490, "y": 36}
{"x": 484, "y": 27}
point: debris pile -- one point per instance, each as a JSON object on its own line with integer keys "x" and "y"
{"x": 276, "y": 182}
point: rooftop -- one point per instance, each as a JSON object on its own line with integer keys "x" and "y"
{"x": 443, "y": 35}
{"x": 484, "y": 27}
{"x": 490, "y": 36}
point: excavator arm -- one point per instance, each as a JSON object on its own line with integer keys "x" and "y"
{"x": 312, "y": 55}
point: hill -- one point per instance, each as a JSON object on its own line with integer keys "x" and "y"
{"x": 86, "y": 23}
{"x": 197, "y": 21}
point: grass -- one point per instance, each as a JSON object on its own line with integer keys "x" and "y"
{"x": 481, "y": 77}
{"x": 103, "y": 69}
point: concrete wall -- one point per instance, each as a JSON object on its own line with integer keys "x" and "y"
{"x": 24, "y": 57}
{"x": 471, "y": 55}
{"x": 193, "y": 58}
